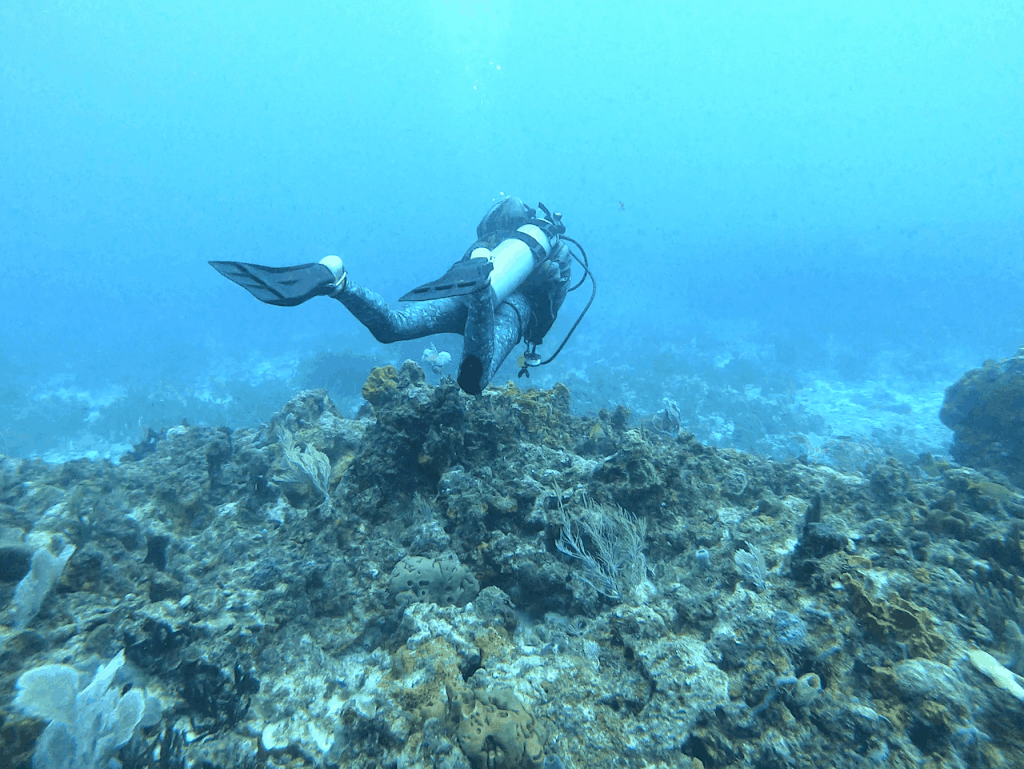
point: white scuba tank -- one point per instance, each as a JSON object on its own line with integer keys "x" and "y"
{"x": 512, "y": 260}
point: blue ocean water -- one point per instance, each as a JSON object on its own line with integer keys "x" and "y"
{"x": 805, "y": 223}
{"x": 829, "y": 193}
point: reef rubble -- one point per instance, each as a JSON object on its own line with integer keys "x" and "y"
{"x": 447, "y": 581}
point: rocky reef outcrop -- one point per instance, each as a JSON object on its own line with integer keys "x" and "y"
{"x": 985, "y": 411}
{"x": 457, "y": 582}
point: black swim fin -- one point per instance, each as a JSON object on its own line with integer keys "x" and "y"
{"x": 283, "y": 286}
{"x": 464, "y": 277}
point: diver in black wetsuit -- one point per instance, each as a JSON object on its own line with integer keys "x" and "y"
{"x": 507, "y": 287}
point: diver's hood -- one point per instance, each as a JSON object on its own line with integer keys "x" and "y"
{"x": 506, "y": 215}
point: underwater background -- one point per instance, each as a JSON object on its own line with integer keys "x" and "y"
{"x": 814, "y": 192}
{"x": 765, "y": 509}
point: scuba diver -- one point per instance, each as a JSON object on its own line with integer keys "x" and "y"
{"x": 507, "y": 287}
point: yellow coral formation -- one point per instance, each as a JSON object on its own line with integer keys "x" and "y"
{"x": 541, "y": 413}
{"x": 894, "y": 619}
{"x": 379, "y": 383}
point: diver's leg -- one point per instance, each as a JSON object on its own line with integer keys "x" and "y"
{"x": 290, "y": 286}
{"x": 418, "y": 319}
{"x": 490, "y": 335}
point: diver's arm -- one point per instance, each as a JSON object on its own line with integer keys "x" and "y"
{"x": 419, "y": 319}
{"x": 490, "y": 334}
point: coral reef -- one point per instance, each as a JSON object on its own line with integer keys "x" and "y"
{"x": 985, "y": 410}
{"x": 390, "y": 591}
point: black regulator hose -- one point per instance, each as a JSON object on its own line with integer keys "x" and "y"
{"x": 585, "y": 264}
